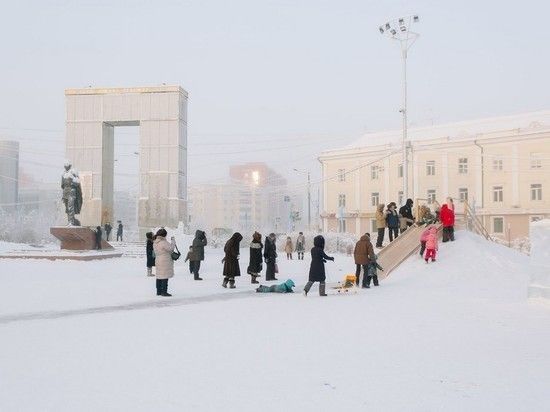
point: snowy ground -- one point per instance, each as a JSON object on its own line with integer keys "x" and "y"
{"x": 458, "y": 334}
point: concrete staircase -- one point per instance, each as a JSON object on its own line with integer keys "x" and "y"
{"x": 132, "y": 249}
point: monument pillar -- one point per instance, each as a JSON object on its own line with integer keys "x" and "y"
{"x": 161, "y": 114}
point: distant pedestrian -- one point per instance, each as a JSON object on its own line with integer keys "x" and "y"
{"x": 231, "y": 267}
{"x": 392, "y": 220}
{"x": 98, "y": 238}
{"x": 431, "y": 244}
{"x": 300, "y": 246}
{"x": 270, "y": 257}
{"x": 119, "y": 231}
{"x": 199, "y": 242}
{"x": 362, "y": 255}
{"x": 150, "y": 253}
{"x": 108, "y": 229}
{"x": 380, "y": 225}
{"x": 289, "y": 248}
{"x": 163, "y": 261}
{"x": 255, "y": 263}
{"x": 317, "y": 267}
{"x": 190, "y": 258}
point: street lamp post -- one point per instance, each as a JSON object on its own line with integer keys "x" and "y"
{"x": 399, "y": 30}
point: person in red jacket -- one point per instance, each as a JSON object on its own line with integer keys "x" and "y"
{"x": 447, "y": 216}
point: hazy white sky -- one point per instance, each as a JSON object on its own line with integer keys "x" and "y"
{"x": 265, "y": 75}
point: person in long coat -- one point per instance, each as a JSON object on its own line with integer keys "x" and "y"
{"x": 199, "y": 242}
{"x": 150, "y": 254}
{"x": 289, "y": 248}
{"x": 255, "y": 263}
{"x": 108, "y": 229}
{"x": 98, "y": 237}
{"x": 231, "y": 267}
{"x": 163, "y": 261}
{"x": 362, "y": 255}
{"x": 317, "y": 267}
{"x": 270, "y": 256}
{"x": 300, "y": 246}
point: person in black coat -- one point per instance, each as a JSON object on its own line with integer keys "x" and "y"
{"x": 270, "y": 256}
{"x": 255, "y": 263}
{"x": 317, "y": 268}
{"x": 119, "y": 231}
{"x": 98, "y": 235}
{"x": 406, "y": 212}
{"x": 199, "y": 242}
{"x": 231, "y": 267}
{"x": 392, "y": 220}
{"x": 150, "y": 253}
{"x": 107, "y": 229}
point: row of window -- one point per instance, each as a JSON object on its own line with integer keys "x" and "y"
{"x": 498, "y": 165}
{"x": 431, "y": 195}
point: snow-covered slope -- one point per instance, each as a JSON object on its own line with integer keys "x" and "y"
{"x": 454, "y": 335}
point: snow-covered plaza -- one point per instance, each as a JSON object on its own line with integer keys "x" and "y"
{"x": 459, "y": 334}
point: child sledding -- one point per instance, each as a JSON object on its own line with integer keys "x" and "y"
{"x": 285, "y": 287}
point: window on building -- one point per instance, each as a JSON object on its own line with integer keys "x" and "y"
{"x": 497, "y": 164}
{"x": 400, "y": 170}
{"x": 463, "y": 165}
{"x": 341, "y": 200}
{"x": 375, "y": 198}
{"x": 536, "y": 160}
{"x": 536, "y": 191}
{"x": 498, "y": 225}
{"x": 374, "y": 172}
{"x": 498, "y": 194}
{"x": 341, "y": 175}
{"x": 400, "y": 198}
{"x": 463, "y": 194}
{"x": 430, "y": 168}
{"x": 431, "y": 196}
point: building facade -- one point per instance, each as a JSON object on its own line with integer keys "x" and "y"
{"x": 499, "y": 165}
{"x": 9, "y": 173}
{"x": 254, "y": 198}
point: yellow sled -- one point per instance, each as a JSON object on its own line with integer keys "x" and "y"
{"x": 347, "y": 285}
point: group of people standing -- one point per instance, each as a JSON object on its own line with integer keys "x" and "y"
{"x": 300, "y": 247}
{"x": 394, "y": 221}
{"x": 107, "y": 228}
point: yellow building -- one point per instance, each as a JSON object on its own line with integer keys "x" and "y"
{"x": 500, "y": 165}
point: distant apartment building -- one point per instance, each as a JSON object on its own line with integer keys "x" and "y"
{"x": 501, "y": 166}
{"x": 253, "y": 198}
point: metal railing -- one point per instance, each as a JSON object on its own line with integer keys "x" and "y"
{"x": 473, "y": 223}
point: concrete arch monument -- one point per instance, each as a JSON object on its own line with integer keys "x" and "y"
{"x": 161, "y": 114}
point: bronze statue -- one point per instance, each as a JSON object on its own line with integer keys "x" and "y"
{"x": 72, "y": 194}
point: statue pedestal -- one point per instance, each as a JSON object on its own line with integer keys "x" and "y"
{"x": 77, "y": 238}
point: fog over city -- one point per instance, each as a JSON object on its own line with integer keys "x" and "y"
{"x": 273, "y": 81}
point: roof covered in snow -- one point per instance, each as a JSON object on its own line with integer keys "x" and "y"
{"x": 539, "y": 120}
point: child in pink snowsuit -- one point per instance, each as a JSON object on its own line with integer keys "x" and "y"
{"x": 423, "y": 239}
{"x": 431, "y": 244}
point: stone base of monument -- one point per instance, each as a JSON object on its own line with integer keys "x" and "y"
{"x": 77, "y": 238}
{"x": 77, "y": 243}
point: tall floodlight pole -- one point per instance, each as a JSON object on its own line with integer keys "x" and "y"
{"x": 400, "y": 30}
{"x": 308, "y": 195}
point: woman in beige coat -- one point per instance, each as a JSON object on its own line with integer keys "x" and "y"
{"x": 380, "y": 225}
{"x": 163, "y": 261}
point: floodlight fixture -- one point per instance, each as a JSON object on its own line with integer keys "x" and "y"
{"x": 387, "y": 26}
{"x": 415, "y": 19}
{"x": 403, "y": 28}
{"x": 381, "y": 29}
{"x": 393, "y": 32}
{"x": 401, "y": 21}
